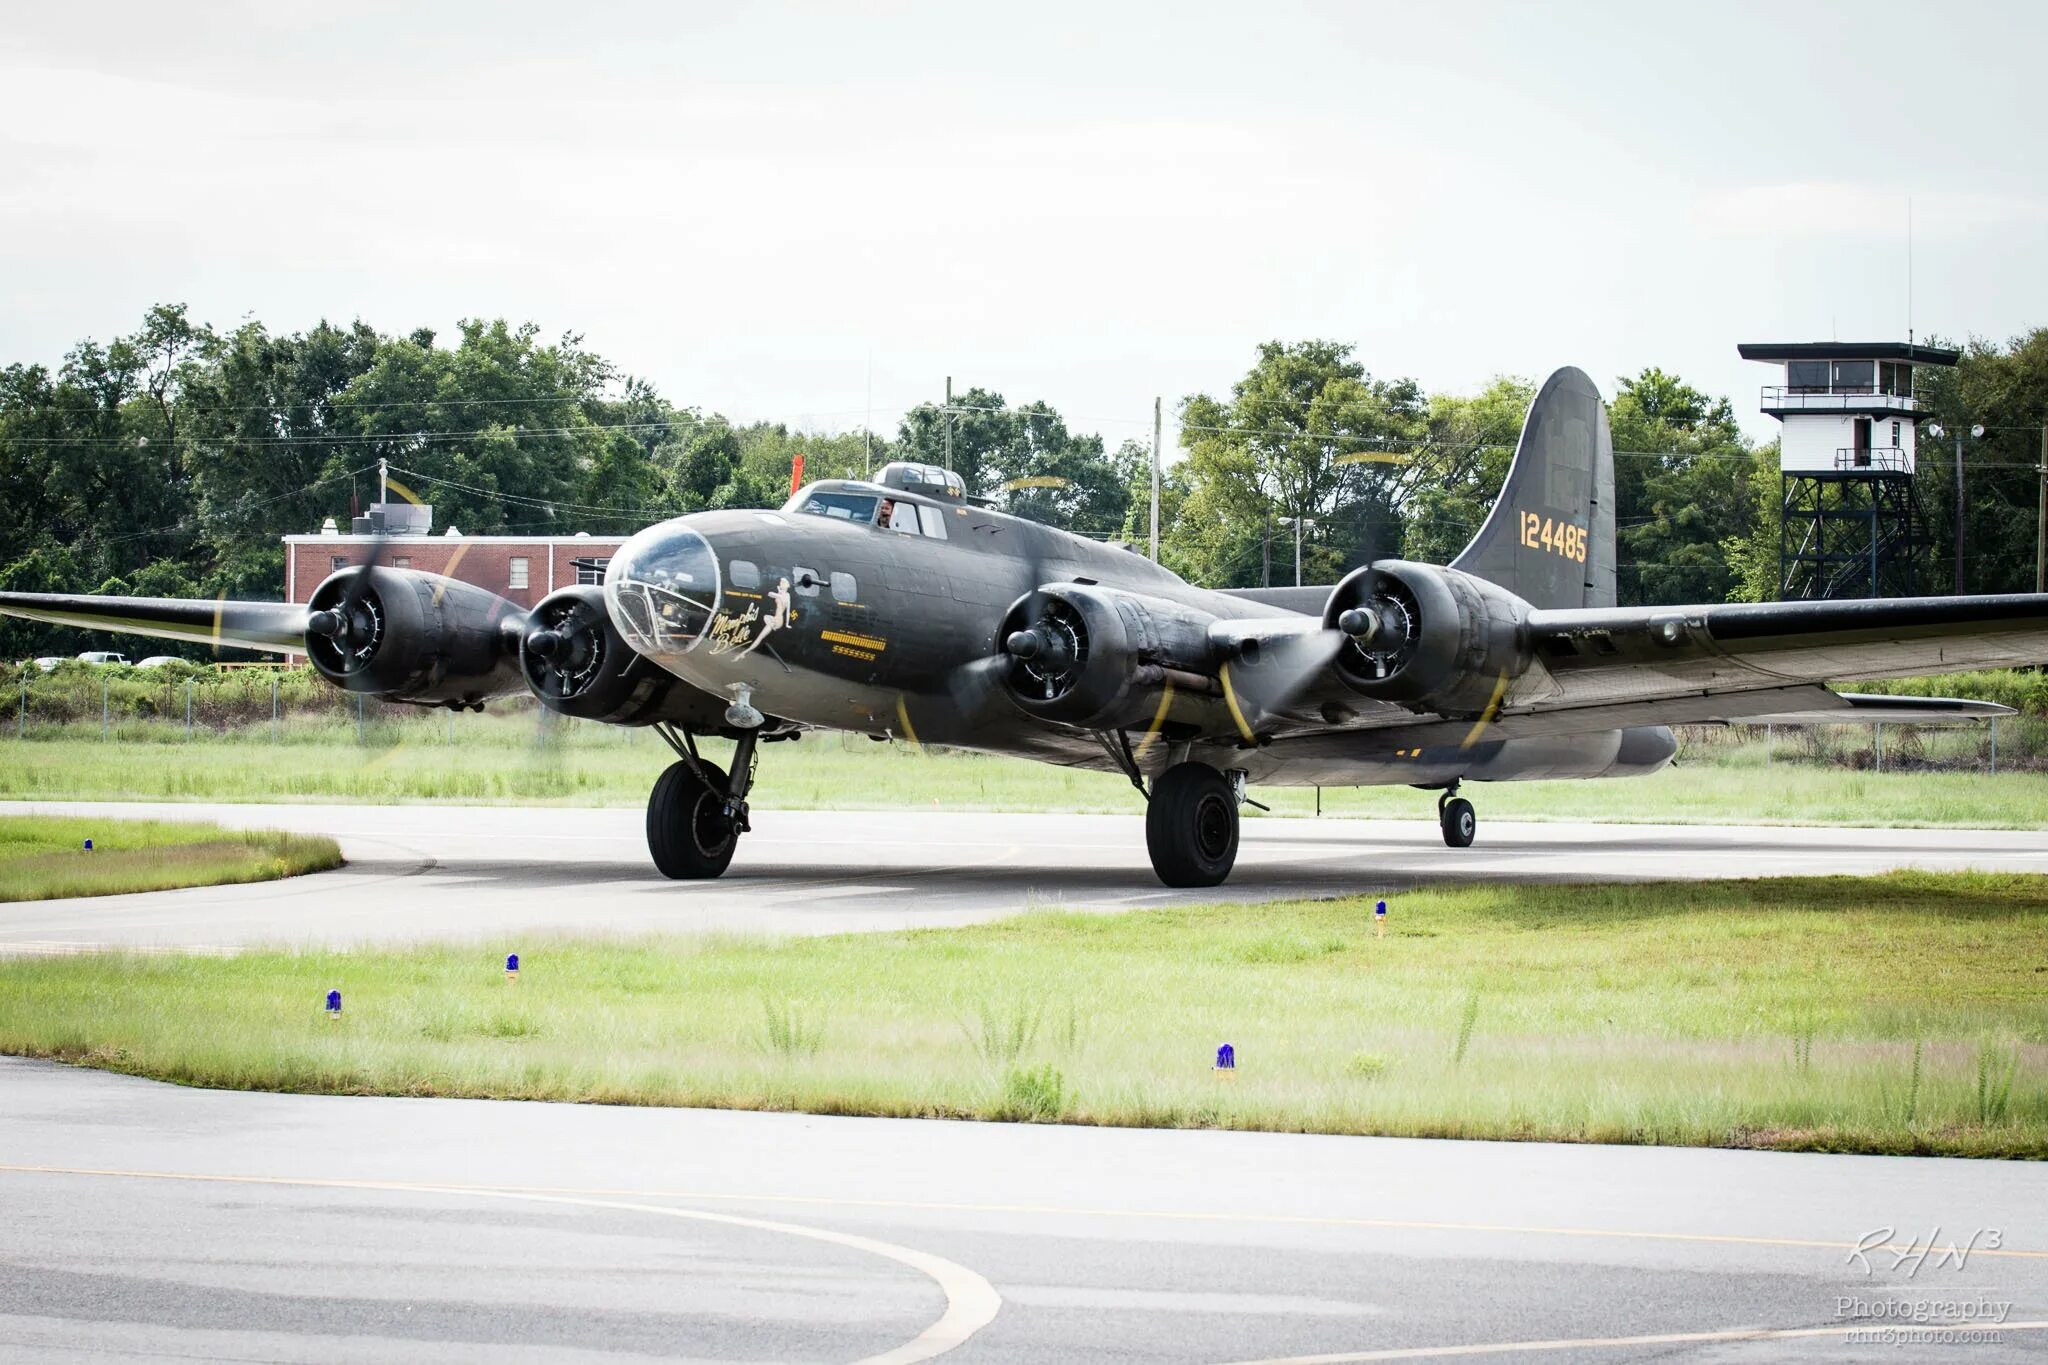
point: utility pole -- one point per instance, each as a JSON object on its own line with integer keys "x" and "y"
{"x": 949, "y": 422}
{"x": 2041, "y": 521}
{"x": 1959, "y": 518}
{"x": 1156, "y": 477}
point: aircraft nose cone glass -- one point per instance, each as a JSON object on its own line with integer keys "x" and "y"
{"x": 661, "y": 589}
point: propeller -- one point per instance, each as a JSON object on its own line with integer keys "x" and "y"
{"x": 972, "y": 685}
{"x": 564, "y": 644}
{"x": 1268, "y": 664}
{"x": 353, "y": 626}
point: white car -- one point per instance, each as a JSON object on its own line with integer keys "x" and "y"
{"x": 102, "y": 656}
{"x": 159, "y": 660}
{"x": 48, "y": 663}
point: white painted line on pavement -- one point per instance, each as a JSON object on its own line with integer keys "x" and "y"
{"x": 971, "y": 1301}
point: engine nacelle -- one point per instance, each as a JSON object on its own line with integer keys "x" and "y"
{"x": 405, "y": 635}
{"x": 577, "y": 663}
{"x": 1429, "y": 638}
{"x": 1099, "y": 657}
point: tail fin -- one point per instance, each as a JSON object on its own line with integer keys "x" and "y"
{"x": 1550, "y": 536}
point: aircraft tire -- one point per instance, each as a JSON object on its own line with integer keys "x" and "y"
{"x": 1460, "y": 822}
{"x": 1191, "y": 826}
{"x": 688, "y": 832}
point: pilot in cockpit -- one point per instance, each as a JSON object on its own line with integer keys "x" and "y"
{"x": 895, "y": 517}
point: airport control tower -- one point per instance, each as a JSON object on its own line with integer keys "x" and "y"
{"x": 1852, "y": 527}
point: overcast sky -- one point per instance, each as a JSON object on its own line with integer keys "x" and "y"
{"x": 757, "y": 207}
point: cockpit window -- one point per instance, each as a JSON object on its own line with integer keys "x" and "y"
{"x": 858, "y": 507}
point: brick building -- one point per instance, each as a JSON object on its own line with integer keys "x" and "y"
{"x": 522, "y": 569}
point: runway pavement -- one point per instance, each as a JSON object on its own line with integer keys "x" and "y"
{"x": 425, "y": 872}
{"x": 144, "y": 1219}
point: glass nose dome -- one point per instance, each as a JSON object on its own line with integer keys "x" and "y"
{"x": 661, "y": 589}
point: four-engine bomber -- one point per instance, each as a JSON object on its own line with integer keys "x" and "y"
{"x": 904, "y": 609}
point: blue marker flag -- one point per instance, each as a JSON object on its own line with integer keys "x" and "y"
{"x": 88, "y": 845}
{"x": 334, "y": 1002}
{"x": 1226, "y": 1058}
{"x": 511, "y": 962}
{"x": 1380, "y": 911}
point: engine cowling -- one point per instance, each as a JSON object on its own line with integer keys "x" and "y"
{"x": 574, "y": 659}
{"x": 406, "y": 635}
{"x": 1100, "y": 658}
{"x": 1430, "y": 638}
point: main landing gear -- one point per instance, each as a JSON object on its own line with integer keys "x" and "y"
{"x": 1191, "y": 824}
{"x": 697, "y": 813}
{"x": 1460, "y": 822}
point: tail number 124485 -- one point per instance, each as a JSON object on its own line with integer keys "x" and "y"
{"x": 1558, "y": 536}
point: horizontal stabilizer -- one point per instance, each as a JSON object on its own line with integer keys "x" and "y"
{"x": 276, "y": 626}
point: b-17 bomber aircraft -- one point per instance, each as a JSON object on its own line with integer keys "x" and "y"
{"x": 904, "y": 609}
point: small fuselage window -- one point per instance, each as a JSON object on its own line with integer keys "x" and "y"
{"x": 844, "y": 589}
{"x": 745, "y": 574}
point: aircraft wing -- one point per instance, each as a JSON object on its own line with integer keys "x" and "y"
{"x": 1863, "y": 708}
{"x": 1605, "y": 668}
{"x": 276, "y": 626}
{"x": 1601, "y": 655}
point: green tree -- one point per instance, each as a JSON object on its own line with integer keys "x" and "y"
{"x": 1296, "y": 439}
{"x": 1470, "y": 444}
{"x": 1682, "y": 490}
{"x": 2004, "y": 389}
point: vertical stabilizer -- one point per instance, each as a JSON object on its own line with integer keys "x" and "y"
{"x": 1550, "y": 536}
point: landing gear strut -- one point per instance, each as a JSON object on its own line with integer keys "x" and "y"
{"x": 697, "y": 813}
{"x": 1191, "y": 824}
{"x": 1460, "y": 822}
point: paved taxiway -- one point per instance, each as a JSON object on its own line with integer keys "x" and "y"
{"x": 419, "y": 872}
{"x": 144, "y": 1219}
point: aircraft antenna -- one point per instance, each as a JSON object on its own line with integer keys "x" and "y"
{"x": 1155, "y": 480}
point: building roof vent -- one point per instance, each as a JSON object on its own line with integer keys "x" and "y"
{"x": 451, "y": 533}
{"x": 328, "y": 528}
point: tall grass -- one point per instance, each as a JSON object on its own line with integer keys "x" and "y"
{"x": 1997, "y": 1064}
{"x": 788, "y": 1030}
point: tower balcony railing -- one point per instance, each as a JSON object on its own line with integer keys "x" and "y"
{"x": 1876, "y": 459}
{"x": 1785, "y": 398}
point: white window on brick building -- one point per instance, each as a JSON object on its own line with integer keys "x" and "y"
{"x": 590, "y": 570}
{"x": 402, "y": 562}
{"x": 518, "y": 579}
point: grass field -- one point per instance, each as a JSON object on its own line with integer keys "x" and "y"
{"x": 1896, "y": 1014}
{"x": 494, "y": 759}
{"x": 43, "y": 857}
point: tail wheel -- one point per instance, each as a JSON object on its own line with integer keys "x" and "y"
{"x": 688, "y": 831}
{"x": 1460, "y": 822}
{"x": 1191, "y": 826}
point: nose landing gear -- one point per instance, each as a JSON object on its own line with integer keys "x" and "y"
{"x": 697, "y": 813}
